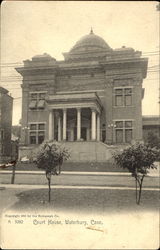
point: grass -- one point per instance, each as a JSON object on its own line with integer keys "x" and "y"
{"x": 79, "y": 200}
{"x": 70, "y": 166}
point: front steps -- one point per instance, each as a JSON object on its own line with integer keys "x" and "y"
{"x": 80, "y": 151}
{"x": 90, "y": 151}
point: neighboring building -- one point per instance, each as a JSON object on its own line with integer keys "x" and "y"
{"x": 93, "y": 96}
{"x": 16, "y": 131}
{"x": 151, "y": 123}
{"x": 6, "y": 104}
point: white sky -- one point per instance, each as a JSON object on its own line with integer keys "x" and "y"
{"x": 35, "y": 27}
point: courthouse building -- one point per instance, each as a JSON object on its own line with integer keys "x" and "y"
{"x": 89, "y": 101}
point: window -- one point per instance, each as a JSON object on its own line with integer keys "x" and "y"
{"x": 119, "y": 135}
{"x": 128, "y": 97}
{"x": 123, "y": 96}
{"x": 37, "y": 101}
{"x": 123, "y": 131}
{"x": 37, "y": 133}
{"x": 118, "y": 97}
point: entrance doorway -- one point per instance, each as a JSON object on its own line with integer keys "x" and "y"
{"x": 75, "y": 134}
{"x": 84, "y": 133}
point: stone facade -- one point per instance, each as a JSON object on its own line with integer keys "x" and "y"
{"x": 6, "y": 104}
{"x": 95, "y": 94}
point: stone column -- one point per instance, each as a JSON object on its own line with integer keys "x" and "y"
{"x": 51, "y": 125}
{"x": 98, "y": 127}
{"x": 59, "y": 128}
{"x": 64, "y": 124}
{"x": 93, "y": 125}
{"x": 78, "y": 124}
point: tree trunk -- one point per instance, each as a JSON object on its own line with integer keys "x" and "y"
{"x": 59, "y": 169}
{"x": 13, "y": 174}
{"x": 49, "y": 189}
{"x": 136, "y": 190}
{"x": 48, "y": 176}
{"x": 140, "y": 191}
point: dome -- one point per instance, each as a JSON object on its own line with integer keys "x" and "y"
{"x": 90, "y": 42}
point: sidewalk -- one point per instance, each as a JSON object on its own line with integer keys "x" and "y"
{"x": 66, "y": 172}
{"x": 24, "y": 186}
{"x": 152, "y": 174}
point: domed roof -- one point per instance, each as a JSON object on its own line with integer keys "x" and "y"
{"x": 90, "y": 42}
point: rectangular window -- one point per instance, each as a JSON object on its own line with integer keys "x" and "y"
{"x": 119, "y": 135}
{"x": 128, "y": 97}
{"x": 37, "y": 100}
{"x": 119, "y": 124}
{"x": 37, "y": 133}
{"x": 123, "y": 97}
{"x": 34, "y": 96}
{"x": 128, "y": 124}
{"x": 128, "y": 135}
{"x": 40, "y": 137}
{"x": 41, "y": 126}
{"x": 123, "y": 131}
{"x": 33, "y": 126}
{"x": 32, "y": 137}
{"x": 42, "y": 96}
{"x": 118, "y": 97}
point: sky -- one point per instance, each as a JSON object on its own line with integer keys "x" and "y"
{"x": 30, "y": 28}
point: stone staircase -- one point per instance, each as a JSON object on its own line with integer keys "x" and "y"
{"x": 90, "y": 151}
{"x": 81, "y": 151}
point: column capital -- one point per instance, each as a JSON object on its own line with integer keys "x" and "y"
{"x": 79, "y": 109}
{"x": 93, "y": 109}
{"x": 50, "y": 109}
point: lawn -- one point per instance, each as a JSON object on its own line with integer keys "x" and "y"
{"x": 71, "y": 166}
{"x": 87, "y": 201}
